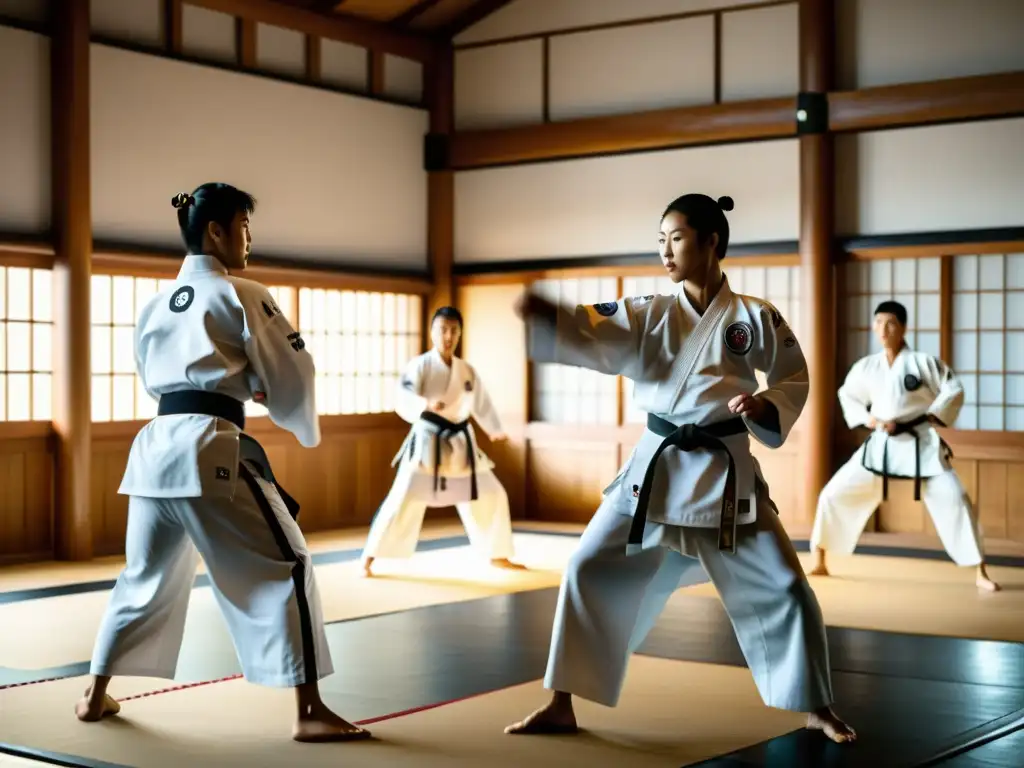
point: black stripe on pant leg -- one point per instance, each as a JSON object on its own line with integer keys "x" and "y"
{"x": 298, "y": 574}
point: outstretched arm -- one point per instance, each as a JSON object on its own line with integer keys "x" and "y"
{"x": 601, "y": 337}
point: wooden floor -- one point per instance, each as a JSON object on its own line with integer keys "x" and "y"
{"x": 919, "y": 694}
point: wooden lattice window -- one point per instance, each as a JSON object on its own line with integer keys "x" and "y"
{"x": 26, "y": 344}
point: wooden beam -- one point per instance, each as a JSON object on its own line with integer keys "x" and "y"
{"x": 245, "y": 45}
{"x": 441, "y": 183}
{"x": 477, "y": 11}
{"x": 72, "y": 232}
{"x": 348, "y": 29}
{"x": 173, "y": 25}
{"x": 946, "y": 308}
{"x": 376, "y": 74}
{"x": 314, "y": 68}
{"x": 817, "y": 216}
{"x": 657, "y": 129}
{"x": 955, "y": 99}
{"x": 413, "y": 12}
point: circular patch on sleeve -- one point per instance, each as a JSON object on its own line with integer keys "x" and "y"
{"x": 607, "y": 308}
{"x": 182, "y": 298}
{"x": 739, "y": 338}
{"x": 911, "y": 382}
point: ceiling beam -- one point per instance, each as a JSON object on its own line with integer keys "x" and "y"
{"x": 893, "y": 106}
{"x": 369, "y": 34}
{"x": 476, "y": 12}
{"x": 409, "y": 14}
{"x": 658, "y": 129}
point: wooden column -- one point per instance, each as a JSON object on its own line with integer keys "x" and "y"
{"x": 72, "y": 277}
{"x": 441, "y": 182}
{"x": 817, "y": 213}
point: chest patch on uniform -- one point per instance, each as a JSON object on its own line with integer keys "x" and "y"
{"x": 182, "y": 298}
{"x": 739, "y": 338}
{"x": 223, "y": 473}
{"x": 407, "y": 383}
{"x": 911, "y": 382}
{"x": 469, "y": 386}
{"x": 606, "y": 308}
{"x": 296, "y": 341}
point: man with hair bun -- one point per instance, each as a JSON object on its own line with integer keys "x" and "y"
{"x": 690, "y": 497}
{"x": 901, "y": 395}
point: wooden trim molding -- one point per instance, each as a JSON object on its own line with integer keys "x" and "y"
{"x": 931, "y": 244}
{"x": 26, "y": 254}
{"x": 950, "y": 100}
{"x": 173, "y": 26}
{"x": 335, "y": 27}
{"x": 614, "y": 134}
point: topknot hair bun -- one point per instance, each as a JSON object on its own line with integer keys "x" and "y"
{"x": 182, "y": 200}
{"x": 725, "y": 203}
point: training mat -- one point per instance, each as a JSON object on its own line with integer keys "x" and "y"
{"x": 659, "y": 722}
{"x": 58, "y": 631}
{"x": 916, "y": 596}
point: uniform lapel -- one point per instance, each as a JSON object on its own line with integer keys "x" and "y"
{"x": 456, "y": 384}
{"x": 705, "y": 327}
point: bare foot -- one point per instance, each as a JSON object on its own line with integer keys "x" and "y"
{"x": 819, "y": 570}
{"x": 90, "y": 709}
{"x": 556, "y": 718}
{"x": 367, "y": 566}
{"x": 504, "y": 562}
{"x": 321, "y": 724}
{"x": 985, "y": 583}
{"x": 828, "y": 721}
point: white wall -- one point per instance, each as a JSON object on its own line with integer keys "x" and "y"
{"x": 338, "y": 178}
{"x": 24, "y": 131}
{"x": 932, "y": 178}
{"x": 651, "y": 65}
{"x": 884, "y": 42}
{"x": 610, "y": 205}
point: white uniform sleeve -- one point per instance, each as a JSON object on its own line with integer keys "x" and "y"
{"x": 949, "y": 392}
{"x": 285, "y": 369}
{"x": 778, "y": 355}
{"x": 409, "y": 403}
{"x": 606, "y": 338}
{"x": 855, "y": 397}
{"x": 483, "y": 409}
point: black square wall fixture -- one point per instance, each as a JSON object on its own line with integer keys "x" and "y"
{"x": 435, "y": 152}
{"x": 811, "y": 113}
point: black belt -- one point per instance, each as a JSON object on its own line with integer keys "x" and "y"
{"x": 690, "y": 437}
{"x": 219, "y": 406}
{"x": 447, "y": 430}
{"x": 902, "y": 428}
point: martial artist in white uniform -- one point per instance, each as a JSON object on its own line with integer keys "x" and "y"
{"x": 901, "y": 395}
{"x": 440, "y": 463}
{"x": 199, "y": 486}
{"x": 693, "y": 358}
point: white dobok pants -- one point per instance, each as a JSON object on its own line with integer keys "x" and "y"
{"x": 854, "y": 493}
{"x": 396, "y": 528}
{"x": 609, "y": 601}
{"x": 260, "y": 573}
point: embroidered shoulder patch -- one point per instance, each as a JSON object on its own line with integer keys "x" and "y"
{"x": 182, "y": 298}
{"x": 270, "y": 309}
{"x": 739, "y": 338}
{"x": 607, "y": 308}
{"x": 469, "y": 386}
{"x": 911, "y": 382}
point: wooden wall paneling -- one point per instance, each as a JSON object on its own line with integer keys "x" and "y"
{"x": 567, "y": 478}
{"x": 817, "y": 214}
{"x": 72, "y": 230}
{"x": 26, "y": 503}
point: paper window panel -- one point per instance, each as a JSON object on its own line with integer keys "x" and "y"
{"x": 26, "y": 344}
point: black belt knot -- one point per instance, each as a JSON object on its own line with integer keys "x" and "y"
{"x": 690, "y": 437}
{"x": 445, "y": 431}
{"x": 903, "y": 428}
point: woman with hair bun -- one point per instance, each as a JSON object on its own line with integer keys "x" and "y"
{"x": 691, "y": 495}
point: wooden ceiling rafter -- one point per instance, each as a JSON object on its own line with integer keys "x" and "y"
{"x": 413, "y": 12}
{"x": 475, "y": 13}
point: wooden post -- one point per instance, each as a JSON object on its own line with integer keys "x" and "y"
{"x": 817, "y": 215}
{"x": 72, "y": 277}
{"x": 441, "y": 179}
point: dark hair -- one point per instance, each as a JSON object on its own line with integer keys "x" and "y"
{"x": 893, "y": 308}
{"x": 706, "y": 216}
{"x": 214, "y": 202}
{"x": 451, "y": 313}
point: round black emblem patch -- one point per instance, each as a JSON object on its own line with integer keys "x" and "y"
{"x": 911, "y": 382}
{"x": 181, "y": 299}
{"x": 607, "y": 309}
{"x": 739, "y": 338}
